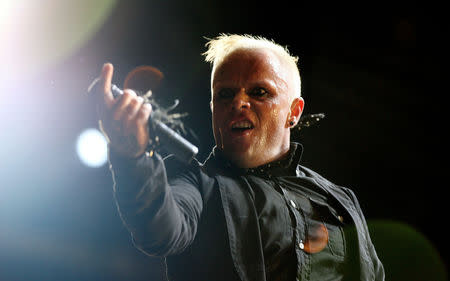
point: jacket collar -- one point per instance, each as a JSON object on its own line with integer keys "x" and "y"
{"x": 283, "y": 167}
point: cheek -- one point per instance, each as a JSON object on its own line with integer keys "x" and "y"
{"x": 273, "y": 117}
{"x": 217, "y": 117}
{"x": 217, "y": 120}
{"x": 215, "y": 129}
{"x": 273, "y": 123}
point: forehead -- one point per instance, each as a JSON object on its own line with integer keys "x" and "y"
{"x": 249, "y": 64}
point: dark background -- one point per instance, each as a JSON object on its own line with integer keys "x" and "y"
{"x": 377, "y": 71}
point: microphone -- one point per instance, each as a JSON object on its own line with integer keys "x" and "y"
{"x": 164, "y": 135}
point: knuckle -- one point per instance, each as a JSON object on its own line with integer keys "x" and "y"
{"x": 146, "y": 107}
{"x": 129, "y": 93}
{"x": 134, "y": 102}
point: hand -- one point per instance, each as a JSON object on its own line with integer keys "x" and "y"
{"x": 123, "y": 119}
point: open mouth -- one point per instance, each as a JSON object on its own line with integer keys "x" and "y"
{"x": 241, "y": 126}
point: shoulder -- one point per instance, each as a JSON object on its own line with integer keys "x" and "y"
{"x": 193, "y": 173}
{"x": 175, "y": 167}
{"x": 327, "y": 183}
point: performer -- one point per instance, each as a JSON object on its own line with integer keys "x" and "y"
{"x": 250, "y": 211}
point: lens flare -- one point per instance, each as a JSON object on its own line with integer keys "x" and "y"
{"x": 92, "y": 148}
{"x": 144, "y": 78}
{"x": 38, "y": 34}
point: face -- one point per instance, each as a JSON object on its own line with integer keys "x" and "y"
{"x": 252, "y": 106}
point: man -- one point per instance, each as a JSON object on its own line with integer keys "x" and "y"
{"x": 250, "y": 212}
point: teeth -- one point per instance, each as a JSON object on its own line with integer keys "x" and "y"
{"x": 242, "y": 125}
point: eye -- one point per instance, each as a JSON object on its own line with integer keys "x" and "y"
{"x": 259, "y": 92}
{"x": 225, "y": 93}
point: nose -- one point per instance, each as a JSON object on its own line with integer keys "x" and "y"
{"x": 241, "y": 100}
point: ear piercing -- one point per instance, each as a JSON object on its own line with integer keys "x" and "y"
{"x": 292, "y": 122}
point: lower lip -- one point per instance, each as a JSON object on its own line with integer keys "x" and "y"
{"x": 241, "y": 133}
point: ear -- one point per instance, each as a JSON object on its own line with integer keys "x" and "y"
{"x": 296, "y": 110}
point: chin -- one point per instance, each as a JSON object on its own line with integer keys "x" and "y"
{"x": 243, "y": 159}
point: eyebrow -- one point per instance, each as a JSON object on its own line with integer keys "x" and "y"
{"x": 273, "y": 83}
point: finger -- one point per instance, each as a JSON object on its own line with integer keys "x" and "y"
{"x": 129, "y": 119}
{"x": 141, "y": 121}
{"x": 120, "y": 108}
{"x": 143, "y": 114}
{"x": 106, "y": 78}
{"x": 141, "y": 118}
{"x": 137, "y": 130}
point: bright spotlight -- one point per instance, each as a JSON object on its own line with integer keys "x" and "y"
{"x": 92, "y": 148}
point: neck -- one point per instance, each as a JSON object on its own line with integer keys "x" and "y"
{"x": 254, "y": 161}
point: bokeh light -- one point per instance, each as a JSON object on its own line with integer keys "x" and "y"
{"x": 92, "y": 148}
{"x": 406, "y": 253}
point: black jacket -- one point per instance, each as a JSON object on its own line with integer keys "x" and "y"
{"x": 204, "y": 221}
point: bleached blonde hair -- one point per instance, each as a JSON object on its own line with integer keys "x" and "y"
{"x": 219, "y": 48}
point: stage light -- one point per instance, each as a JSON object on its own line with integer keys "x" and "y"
{"x": 92, "y": 148}
{"x": 38, "y": 34}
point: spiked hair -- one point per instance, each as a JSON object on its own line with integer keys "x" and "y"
{"x": 222, "y": 46}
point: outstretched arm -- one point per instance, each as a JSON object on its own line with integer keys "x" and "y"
{"x": 161, "y": 218}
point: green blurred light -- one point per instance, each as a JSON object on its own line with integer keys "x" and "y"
{"x": 406, "y": 253}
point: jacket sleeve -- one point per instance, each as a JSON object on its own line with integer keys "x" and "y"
{"x": 161, "y": 217}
